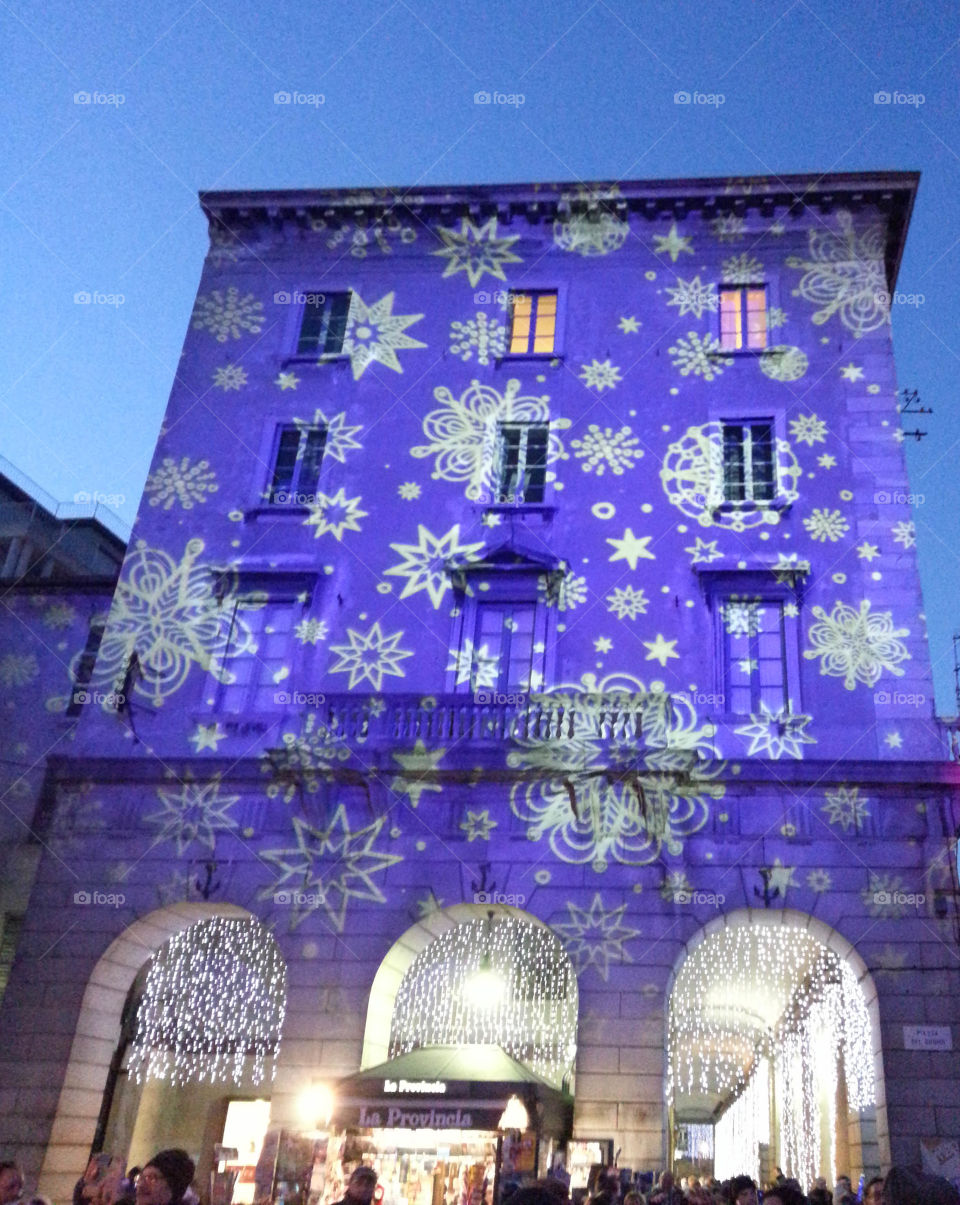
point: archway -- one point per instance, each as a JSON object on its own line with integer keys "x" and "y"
{"x": 96, "y": 1036}
{"x": 773, "y": 1051}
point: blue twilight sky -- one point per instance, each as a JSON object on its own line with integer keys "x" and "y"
{"x": 102, "y": 197}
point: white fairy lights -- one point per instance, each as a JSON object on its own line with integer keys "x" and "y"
{"x": 755, "y": 1002}
{"x": 213, "y": 1005}
{"x": 532, "y": 1014}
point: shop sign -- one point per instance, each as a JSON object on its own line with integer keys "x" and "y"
{"x": 435, "y": 1087}
{"x": 927, "y": 1037}
{"x": 430, "y": 1115}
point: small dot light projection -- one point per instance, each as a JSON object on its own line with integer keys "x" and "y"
{"x": 759, "y": 1005}
{"x": 215, "y": 997}
{"x": 494, "y": 981}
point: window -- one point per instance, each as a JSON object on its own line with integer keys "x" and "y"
{"x": 258, "y": 682}
{"x": 533, "y": 323}
{"x": 297, "y": 455}
{"x": 324, "y": 324}
{"x": 85, "y": 664}
{"x": 748, "y": 463}
{"x": 499, "y": 654}
{"x": 743, "y": 317}
{"x": 522, "y": 461}
{"x": 754, "y": 655}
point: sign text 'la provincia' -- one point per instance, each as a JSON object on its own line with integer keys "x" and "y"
{"x": 415, "y": 1119}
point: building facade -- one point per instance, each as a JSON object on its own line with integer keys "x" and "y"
{"x": 524, "y": 586}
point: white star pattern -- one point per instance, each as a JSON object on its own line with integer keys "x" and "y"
{"x": 595, "y": 936}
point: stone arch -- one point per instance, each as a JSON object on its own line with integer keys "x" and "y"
{"x": 390, "y": 973}
{"x": 845, "y": 950}
{"x": 95, "y": 1037}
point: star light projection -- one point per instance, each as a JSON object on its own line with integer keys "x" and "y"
{"x": 497, "y": 980}
{"x": 327, "y": 868}
{"x": 213, "y": 1006}
{"x": 476, "y": 250}
{"x": 596, "y": 936}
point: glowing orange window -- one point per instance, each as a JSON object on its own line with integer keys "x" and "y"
{"x": 533, "y": 323}
{"x": 743, "y": 317}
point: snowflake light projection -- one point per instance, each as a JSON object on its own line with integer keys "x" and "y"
{"x": 481, "y": 335}
{"x": 374, "y": 334}
{"x": 427, "y": 565}
{"x": 213, "y": 1006}
{"x": 776, "y": 734}
{"x": 672, "y": 244}
{"x": 564, "y": 592}
{"x": 227, "y": 315}
{"x": 478, "y": 826}
{"x": 369, "y": 657}
{"x": 591, "y": 234}
{"x": 603, "y": 448}
{"x": 692, "y": 479}
{"x": 845, "y": 274}
{"x": 700, "y": 355}
{"x": 595, "y": 936}
{"x": 824, "y": 525}
{"x": 845, "y": 808}
{"x": 499, "y": 980}
{"x": 368, "y": 233}
{"x": 173, "y": 615}
{"x": 600, "y": 375}
{"x": 784, "y": 363}
{"x": 303, "y": 759}
{"x": 310, "y": 631}
{"x": 728, "y": 229}
{"x": 694, "y": 297}
{"x": 856, "y": 645}
{"x": 476, "y": 250}
{"x": 195, "y": 812}
{"x": 884, "y": 896}
{"x": 18, "y": 669}
{"x": 327, "y": 868}
{"x": 230, "y": 378}
{"x": 180, "y": 482}
{"x": 59, "y": 616}
{"x": 658, "y": 801}
{"x": 627, "y": 603}
{"x": 905, "y": 533}
{"x": 742, "y": 616}
{"x": 808, "y": 429}
{"x": 741, "y": 269}
{"x": 463, "y": 433}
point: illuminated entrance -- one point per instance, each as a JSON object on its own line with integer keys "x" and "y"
{"x": 772, "y": 1052}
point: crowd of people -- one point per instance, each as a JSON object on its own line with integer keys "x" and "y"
{"x": 168, "y": 1178}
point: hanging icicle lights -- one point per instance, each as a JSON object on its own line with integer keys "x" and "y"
{"x": 758, "y": 997}
{"x": 213, "y": 1005}
{"x": 446, "y": 997}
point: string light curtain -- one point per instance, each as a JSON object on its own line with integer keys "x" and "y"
{"x": 213, "y": 1006}
{"x": 743, "y": 1128}
{"x": 749, "y": 999}
{"x": 498, "y": 981}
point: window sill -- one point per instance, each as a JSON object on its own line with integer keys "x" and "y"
{"x": 781, "y": 504}
{"x": 512, "y": 508}
{"x": 306, "y": 359}
{"x": 540, "y": 356}
{"x": 277, "y": 510}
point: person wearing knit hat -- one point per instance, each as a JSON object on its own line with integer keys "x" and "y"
{"x": 166, "y": 1178}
